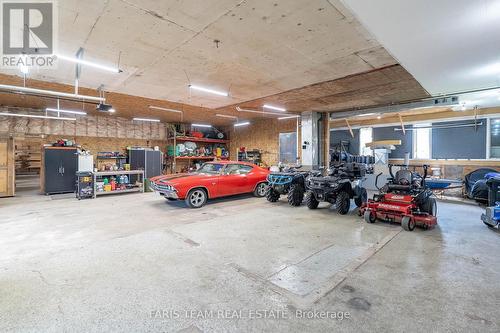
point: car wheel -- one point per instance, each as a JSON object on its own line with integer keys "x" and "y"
{"x": 343, "y": 203}
{"x": 361, "y": 198}
{"x": 295, "y": 195}
{"x": 311, "y": 201}
{"x": 272, "y": 195}
{"x": 196, "y": 198}
{"x": 260, "y": 190}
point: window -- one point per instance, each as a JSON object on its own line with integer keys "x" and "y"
{"x": 212, "y": 168}
{"x": 288, "y": 148}
{"x": 232, "y": 169}
{"x": 237, "y": 169}
{"x": 495, "y": 138}
{"x": 365, "y": 136}
{"x": 244, "y": 169}
{"x": 422, "y": 141}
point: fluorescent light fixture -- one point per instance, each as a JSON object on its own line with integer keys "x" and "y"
{"x": 147, "y": 119}
{"x": 259, "y": 112}
{"x": 288, "y": 117}
{"x": 207, "y": 90}
{"x": 33, "y": 116}
{"x": 51, "y": 93}
{"x": 267, "y": 106}
{"x": 89, "y": 63}
{"x": 201, "y": 125}
{"x": 164, "y": 109}
{"x": 111, "y": 110}
{"x": 225, "y": 116}
{"x": 66, "y": 111}
{"x": 245, "y": 123}
{"x": 366, "y": 114}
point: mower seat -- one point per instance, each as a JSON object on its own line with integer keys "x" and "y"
{"x": 402, "y": 181}
{"x": 401, "y": 188}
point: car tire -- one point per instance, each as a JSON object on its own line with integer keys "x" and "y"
{"x": 343, "y": 203}
{"x": 272, "y": 195}
{"x": 196, "y": 198}
{"x": 295, "y": 195}
{"x": 311, "y": 201}
{"x": 260, "y": 190}
{"x": 361, "y": 198}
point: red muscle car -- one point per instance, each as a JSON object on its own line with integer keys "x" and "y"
{"x": 212, "y": 180}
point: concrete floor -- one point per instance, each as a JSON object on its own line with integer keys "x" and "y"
{"x": 136, "y": 263}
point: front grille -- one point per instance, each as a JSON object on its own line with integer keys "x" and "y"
{"x": 163, "y": 187}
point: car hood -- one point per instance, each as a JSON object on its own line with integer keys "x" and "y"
{"x": 179, "y": 178}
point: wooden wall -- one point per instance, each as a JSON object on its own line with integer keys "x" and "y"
{"x": 95, "y": 126}
{"x": 454, "y": 169}
{"x": 262, "y": 134}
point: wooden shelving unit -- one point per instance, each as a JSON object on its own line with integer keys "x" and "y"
{"x": 28, "y": 156}
{"x": 175, "y": 139}
{"x": 204, "y": 140}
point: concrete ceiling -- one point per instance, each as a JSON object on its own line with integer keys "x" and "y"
{"x": 447, "y": 45}
{"x": 266, "y": 47}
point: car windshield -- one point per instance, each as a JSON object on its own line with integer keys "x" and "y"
{"x": 212, "y": 168}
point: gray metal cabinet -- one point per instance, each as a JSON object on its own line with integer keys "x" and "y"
{"x": 60, "y": 166}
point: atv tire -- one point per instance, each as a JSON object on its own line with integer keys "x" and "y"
{"x": 430, "y": 206}
{"x": 343, "y": 203}
{"x": 272, "y": 195}
{"x": 295, "y": 195}
{"x": 311, "y": 201}
{"x": 361, "y": 198}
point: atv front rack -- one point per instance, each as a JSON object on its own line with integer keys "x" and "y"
{"x": 275, "y": 179}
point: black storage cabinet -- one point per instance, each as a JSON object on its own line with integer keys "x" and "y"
{"x": 148, "y": 160}
{"x": 493, "y": 191}
{"x": 60, "y": 166}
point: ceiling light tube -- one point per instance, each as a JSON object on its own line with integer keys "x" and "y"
{"x": 147, "y": 119}
{"x": 225, "y": 116}
{"x": 164, "y": 109}
{"x": 207, "y": 90}
{"x": 245, "y": 123}
{"x": 288, "y": 117}
{"x": 66, "y": 111}
{"x": 366, "y": 114}
{"x": 89, "y": 63}
{"x": 49, "y": 93}
{"x": 201, "y": 125}
{"x": 260, "y": 112}
{"x": 267, "y": 106}
{"x": 33, "y": 116}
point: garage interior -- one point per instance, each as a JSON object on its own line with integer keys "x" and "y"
{"x": 142, "y": 93}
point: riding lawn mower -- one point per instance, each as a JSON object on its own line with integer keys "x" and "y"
{"x": 405, "y": 199}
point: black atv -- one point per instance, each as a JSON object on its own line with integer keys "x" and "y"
{"x": 290, "y": 182}
{"x": 338, "y": 188}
